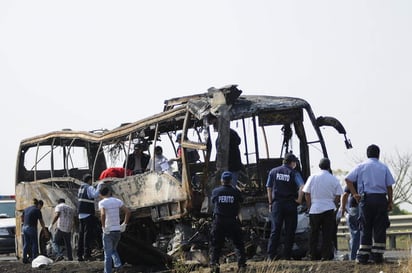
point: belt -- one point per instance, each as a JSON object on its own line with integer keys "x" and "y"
{"x": 225, "y": 216}
{"x": 365, "y": 195}
{"x": 86, "y": 200}
{"x": 373, "y": 194}
{"x": 284, "y": 200}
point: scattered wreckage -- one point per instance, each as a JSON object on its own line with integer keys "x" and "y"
{"x": 171, "y": 210}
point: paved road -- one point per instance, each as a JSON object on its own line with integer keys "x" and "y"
{"x": 8, "y": 257}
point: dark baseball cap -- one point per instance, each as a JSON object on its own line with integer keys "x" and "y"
{"x": 289, "y": 157}
{"x": 86, "y": 177}
{"x": 226, "y": 176}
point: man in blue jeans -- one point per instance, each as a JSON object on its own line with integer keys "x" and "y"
{"x": 110, "y": 217}
{"x": 284, "y": 189}
{"x": 30, "y": 217}
{"x": 352, "y": 219}
{"x": 64, "y": 216}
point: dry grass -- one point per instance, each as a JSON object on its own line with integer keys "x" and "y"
{"x": 407, "y": 267}
{"x": 401, "y": 266}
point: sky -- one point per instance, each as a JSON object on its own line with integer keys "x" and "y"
{"x": 89, "y": 65}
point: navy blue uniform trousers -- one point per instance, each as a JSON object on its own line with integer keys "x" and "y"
{"x": 374, "y": 220}
{"x": 226, "y": 227}
{"x": 283, "y": 212}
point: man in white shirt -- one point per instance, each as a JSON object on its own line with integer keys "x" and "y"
{"x": 110, "y": 217}
{"x": 64, "y": 216}
{"x": 322, "y": 193}
{"x": 161, "y": 163}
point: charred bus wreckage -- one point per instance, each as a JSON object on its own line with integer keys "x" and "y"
{"x": 171, "y": 209}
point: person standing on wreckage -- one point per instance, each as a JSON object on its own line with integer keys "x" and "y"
{"x": 234, "y": 158}
{"x": 161, "y": 163}
{"x": 138, "y": 160}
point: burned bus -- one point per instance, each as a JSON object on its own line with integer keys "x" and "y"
{"x": 171, "y": 208}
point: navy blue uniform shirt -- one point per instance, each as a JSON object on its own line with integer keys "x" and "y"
{"x": 226, "y": 200}
{"x": 285, "y": 183}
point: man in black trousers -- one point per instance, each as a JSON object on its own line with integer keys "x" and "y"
{"x": 226, "y": 200}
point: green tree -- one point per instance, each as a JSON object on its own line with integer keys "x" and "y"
{"x": 398, "y": 211}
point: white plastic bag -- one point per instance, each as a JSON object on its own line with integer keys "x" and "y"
{"x": 40, "y": 261}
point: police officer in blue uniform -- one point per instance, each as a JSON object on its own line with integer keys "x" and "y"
{"x": 375, "y": 198}
{"x": 226, "y": 200}
{"x": 284, "y": 189}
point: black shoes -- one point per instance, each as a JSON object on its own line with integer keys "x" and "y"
{"x": 89, "y": 258}
{"x": 274, "y": 258}
{"x": 361, "y": 261}
{"x": 377, "y": 258}
{"x": 241, "y": 268}
{"x": 86, "y": 258}
{"x": 377, "y": 261}
{"x": 214, "y": 269}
